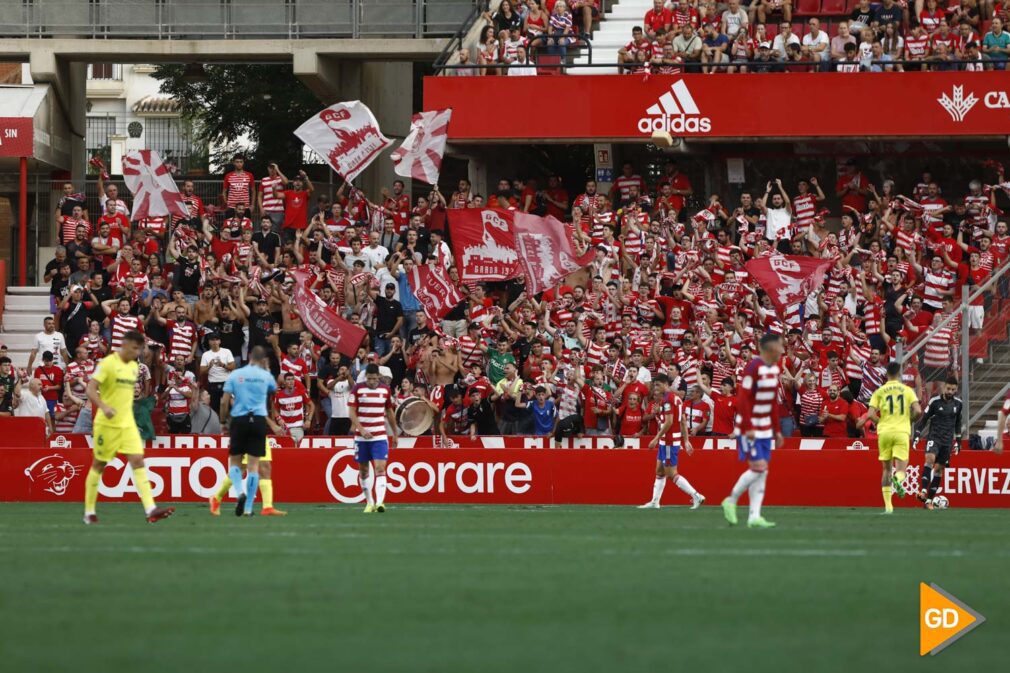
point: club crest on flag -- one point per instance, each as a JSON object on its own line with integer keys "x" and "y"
{"x": 346, "y": 135}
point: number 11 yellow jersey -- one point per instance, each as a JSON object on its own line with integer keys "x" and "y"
{"x": 894, "y": 401}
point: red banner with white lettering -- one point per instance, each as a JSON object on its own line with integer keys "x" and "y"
{"x": 632, "y": 107}
{"x": 484, "y": 244}
{"x": 17, "y": 137}
{"x": 504, "y": 470}
{"x": 788, "y": 279}
{"x": 433, "y": 289}
{"x": 546, "y": 251}
{"x": 323, "y": 321}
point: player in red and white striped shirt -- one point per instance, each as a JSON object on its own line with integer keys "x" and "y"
{"x": 370, "y": 406}
{"x": 672, "y": 434}
{"x": 757, "y": 429}
{"x": 292, "y": 406}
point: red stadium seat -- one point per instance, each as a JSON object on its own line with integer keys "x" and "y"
{"x": 808, "y": 8}
{"x": 831, "y": 27}
{"x": 850, "y": 5}
{"x": 771, "y": 30}
{"x": 800, "y": 28}
{"x": 834, "y": 7}
{"x": 984, "y": 28}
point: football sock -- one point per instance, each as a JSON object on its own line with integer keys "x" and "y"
{"x": 222, "y": 492}
{"x": 684, "y": 485}
{"x": 380, "y": 489}
{"x": 926, "y": 474}
{"x": 235, "y": 474}
{"x": 886, "y": 490}
{"x": 143, "y": 488}
{"x": 757, "y": 495}
{"x": 252, "y": 482}
{"x": 366, "y": 486}
{"x": 657, "y": 488}
{"x": 934, "y": 484}
{"x": 267, "y": 492}
{"x": 91, "y": 490}
{"x": 742, "y": 484}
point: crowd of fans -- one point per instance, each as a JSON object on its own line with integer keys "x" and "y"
{"x": 667, "y": 293}
{"x": 707, "y": 36}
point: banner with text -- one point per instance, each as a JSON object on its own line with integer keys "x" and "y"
{"x": 505, "y": 470}
{"x": 632, "y": 107}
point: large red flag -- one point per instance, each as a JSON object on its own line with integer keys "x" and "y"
{"x": 546, "y": 251}
{"x": 323, "y": 321}
{"x": 788, "y": 279}
{"x": 483, "y": 244}
{"x": 433, "y": 289}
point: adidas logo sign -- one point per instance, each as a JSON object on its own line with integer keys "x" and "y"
{"x": 675, "y": 112}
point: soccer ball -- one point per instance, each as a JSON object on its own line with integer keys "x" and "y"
{"x": 941, "y": 502}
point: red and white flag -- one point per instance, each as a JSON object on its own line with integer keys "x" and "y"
{"x": 546, "y": 251}
{"x": 346, "y": 135}
{"x": 420, "y": 155}
{"x": 323, "y": 321}
{"x": 483, "y": 244}
{"x": 155, "y": 193}
{"x": 788, "y": 279}
{"x": 433, "y": 289}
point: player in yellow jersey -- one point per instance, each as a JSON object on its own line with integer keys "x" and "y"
{"x": 893, "y": 406}
{"x": 266, "y": 482}
{"x": 110, "y": 390}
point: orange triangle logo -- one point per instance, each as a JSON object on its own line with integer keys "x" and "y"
{"x": 943, "y": 619}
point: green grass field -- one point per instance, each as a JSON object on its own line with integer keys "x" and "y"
{"x": 494, "y": 589}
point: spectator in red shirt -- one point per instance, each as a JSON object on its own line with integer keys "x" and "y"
{"x": 51, "y": 377}
{"x": 296, "y": 206}
{"x": 834, "y": 414}
{"x": 853, "y": 187}
{"x": 657, "y": 20}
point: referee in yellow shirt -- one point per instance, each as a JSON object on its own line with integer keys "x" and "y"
{"x": 893, "y": 407}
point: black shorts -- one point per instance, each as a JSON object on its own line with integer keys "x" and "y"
{"x": 248, "y": 436}
{"x": 942, "y": 451}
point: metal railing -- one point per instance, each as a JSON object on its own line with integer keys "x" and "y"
{"x": 232, "y": 19}
{"x": 980, "y": 357}
{"x": 630, "y": 68}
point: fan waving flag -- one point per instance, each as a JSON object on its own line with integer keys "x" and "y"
{"x": 433, "y": 289}
{"x": 546, "y": 251}
{"x": 346, "y": 135}
{"x": 788, "y": 279}
{"x": 155, "y": 193}
{"x": 420, "y": 155}
{"x": 323, "y": 321}
{"x": 484, "y": 244}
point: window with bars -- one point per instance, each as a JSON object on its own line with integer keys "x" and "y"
{"x": 97, "y": 139}
{"x": 171, "y": 139}
{"x": 113, "y": 71}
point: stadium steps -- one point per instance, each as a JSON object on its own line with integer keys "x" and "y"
{"x": 613, "y": 33}
{"x": 25, "y": 307}
{"x": 987, "y": 381}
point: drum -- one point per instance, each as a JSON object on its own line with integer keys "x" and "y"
{"x": 414, "y": 416}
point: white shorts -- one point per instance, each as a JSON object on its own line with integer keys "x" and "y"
{"x": 976, "y": 314}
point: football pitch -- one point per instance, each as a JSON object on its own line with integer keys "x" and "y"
{"x": 494, "y": 588}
